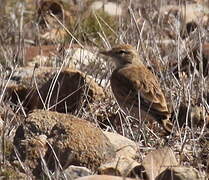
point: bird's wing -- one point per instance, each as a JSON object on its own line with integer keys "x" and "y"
{"x": 140, "y": 79}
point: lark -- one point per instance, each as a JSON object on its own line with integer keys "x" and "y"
{"x": 136, "y": 87}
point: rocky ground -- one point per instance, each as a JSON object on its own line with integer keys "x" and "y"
{"x": 58, "y": 116}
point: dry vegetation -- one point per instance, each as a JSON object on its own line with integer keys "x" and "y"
{"x": 172, "y": 41}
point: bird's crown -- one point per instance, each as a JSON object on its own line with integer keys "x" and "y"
{"x": 123, "y": 54}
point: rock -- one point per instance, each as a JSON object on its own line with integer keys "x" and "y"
{"x": 157, "y": 161}
{"x": 65, "y": 91}
{"x": 103, "y": 177}
{"x": 71, "y": 90}
{"x": 32, "y": 136}
{"x": 82, "y": 58}
{"x": 87, "y": 60}
{"x": 80, "y": 142}
{"x": 33, "y": 150}
{"x": 30, "y": 77}
{"x": 179, "y": 173}
{"x": 45, "y": 55}
{"x": 121, "y": 166}
{"x": 124, "y": 146}
{"x": 75, "y": 142}
{"x": 73, "y": 172}
{"x": 111, "y": 8}
{"x": 126, "y": 152}
{"x": 75, "y": 56}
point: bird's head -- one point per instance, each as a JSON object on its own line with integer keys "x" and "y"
{"x": 123, "y": 55}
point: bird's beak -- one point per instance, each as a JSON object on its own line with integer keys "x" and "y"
{"x": 106, "y": 52}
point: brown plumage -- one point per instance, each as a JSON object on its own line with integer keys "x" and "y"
{"x": 130, "y": 79}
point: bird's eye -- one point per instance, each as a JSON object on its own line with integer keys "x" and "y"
{"x": 122, "y": 52}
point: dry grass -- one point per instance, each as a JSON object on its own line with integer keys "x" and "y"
{"x": 147, "y": 33}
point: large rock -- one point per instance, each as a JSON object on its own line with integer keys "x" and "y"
{"x": 180, "y": 173}
{"x": 157, "y": 161}
{"x": 64, "y": 91}
{"x": 73, "y": 140}
{"x": 103, "y": 177}
{"x": 73, "y": 172}
{"x": 121, "y": 166}
{"x": 125, "y": 163}
{"x": 124, "y": 146}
